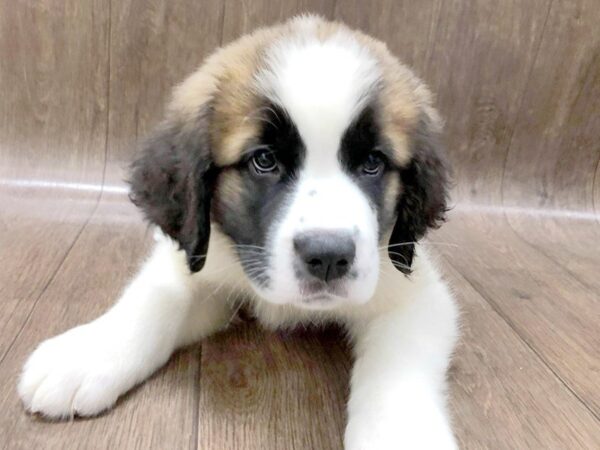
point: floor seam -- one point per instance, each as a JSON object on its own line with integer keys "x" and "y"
{"x": 222, "y": 35}
{"x": 196, "y": 399}
{"x": 596, "y": 208}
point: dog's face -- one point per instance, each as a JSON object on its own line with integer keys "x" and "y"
{"x": 312, "y": 149}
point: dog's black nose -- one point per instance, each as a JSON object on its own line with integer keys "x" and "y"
{"x": 326, "y": 255}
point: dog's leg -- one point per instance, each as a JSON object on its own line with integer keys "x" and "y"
{"x": 84, "y": 370}
{"x": 397, "y": 396}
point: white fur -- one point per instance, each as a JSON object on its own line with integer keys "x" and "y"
{"x": 322, "y": 85}
{"x": 403, "y": 343}
{"x": 403, "y": 328}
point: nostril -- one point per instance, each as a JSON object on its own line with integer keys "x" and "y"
{"x": 315, "y": 262}
{"x": 342, "y": 263}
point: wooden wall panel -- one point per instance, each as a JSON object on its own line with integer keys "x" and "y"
{"x": 245, "y": 15}
{"x": 407, "y": 27}
{"x": 597, "y": 191}
{"x": 53, "y": 83}
{"x": 154, "y": 45}
{"x": 558, "y": 133}
{"x": 479, "y": 67}
{"x": 558, "y": 128}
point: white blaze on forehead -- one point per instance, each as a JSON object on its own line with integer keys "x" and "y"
{"x": 322, "y": 85}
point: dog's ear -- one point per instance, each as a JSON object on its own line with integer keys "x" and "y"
{"x": 422, "y": 204}
{"x": 172, "y": 182}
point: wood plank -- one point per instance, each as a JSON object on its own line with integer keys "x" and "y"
{"x": 406, "y": 27}
{"x": 32, "y": 250}
{"x": 597, "y": 191}
{"x": 478, "y": 68}
{"x": 501, "y": 395}
{"x": 571, "y": 242}
{"x": 244, "y": 16}
{"x": 53, "y": 85}
{"x": 559, "y": 124}
{"x": 154, "y": 46}
{"x": 264, "y": 390}
{"x": 557, "y": 132}
{"x": 554, "y": 313}
{"x": 158, "y": 414}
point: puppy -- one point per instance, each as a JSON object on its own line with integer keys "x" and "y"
{"x": 298, "y": 166}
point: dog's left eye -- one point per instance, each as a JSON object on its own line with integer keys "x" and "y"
{"x": 264, "y": 162}
{"x": 373, "y": 165}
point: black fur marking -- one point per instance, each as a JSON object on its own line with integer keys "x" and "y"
{"x": 362, "y": 137}
{"x": 172, "y": 182}
{"x": 424, "y": 182}
{"x": 425, "y": 192}
{"x": 248, "y": 219}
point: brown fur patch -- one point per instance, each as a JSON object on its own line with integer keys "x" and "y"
{"x": 229, "y": 187}
{"x": 226, "y": 82}
{"x": 392, "y": 194}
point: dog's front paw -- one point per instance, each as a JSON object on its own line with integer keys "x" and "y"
{"x": 397, "y": 435}
{"x": 76, "y": 373}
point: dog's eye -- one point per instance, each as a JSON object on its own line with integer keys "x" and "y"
{"x": 373, "y": 164}
{"x": 264, "y": 161}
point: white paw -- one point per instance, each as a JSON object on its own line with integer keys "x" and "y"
{"x": 398, "y": 434}
{"x": 80, "y": 372}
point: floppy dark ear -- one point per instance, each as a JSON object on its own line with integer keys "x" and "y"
{"x": 172, "y": 182}
{"x": 422, "y": 204}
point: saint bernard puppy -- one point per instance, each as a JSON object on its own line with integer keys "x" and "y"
{"x": 297, "y": 168}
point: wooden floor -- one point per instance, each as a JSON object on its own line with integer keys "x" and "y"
{"x": 80, "y": 81}
{"x": 526, "y": 373}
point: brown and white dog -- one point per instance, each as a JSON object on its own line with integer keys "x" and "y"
{"x": 297, "y": 168}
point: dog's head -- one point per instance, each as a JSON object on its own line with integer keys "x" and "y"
{"x": 312, "y": 148}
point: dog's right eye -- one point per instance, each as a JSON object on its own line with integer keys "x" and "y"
{"x": 264, "y": 162}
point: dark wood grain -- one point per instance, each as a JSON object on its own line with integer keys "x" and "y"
{"x": 265, "y": 390}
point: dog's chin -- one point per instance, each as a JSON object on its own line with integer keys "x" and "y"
{"x": 314, "y": 296}
{"x": 321, "y": 302}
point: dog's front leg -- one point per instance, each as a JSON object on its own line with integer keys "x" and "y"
{"x": 397, "y": 396}
{"x": 84, "y": 370}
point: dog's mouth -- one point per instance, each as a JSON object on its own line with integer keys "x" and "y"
{"x": 318, "y": 292}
